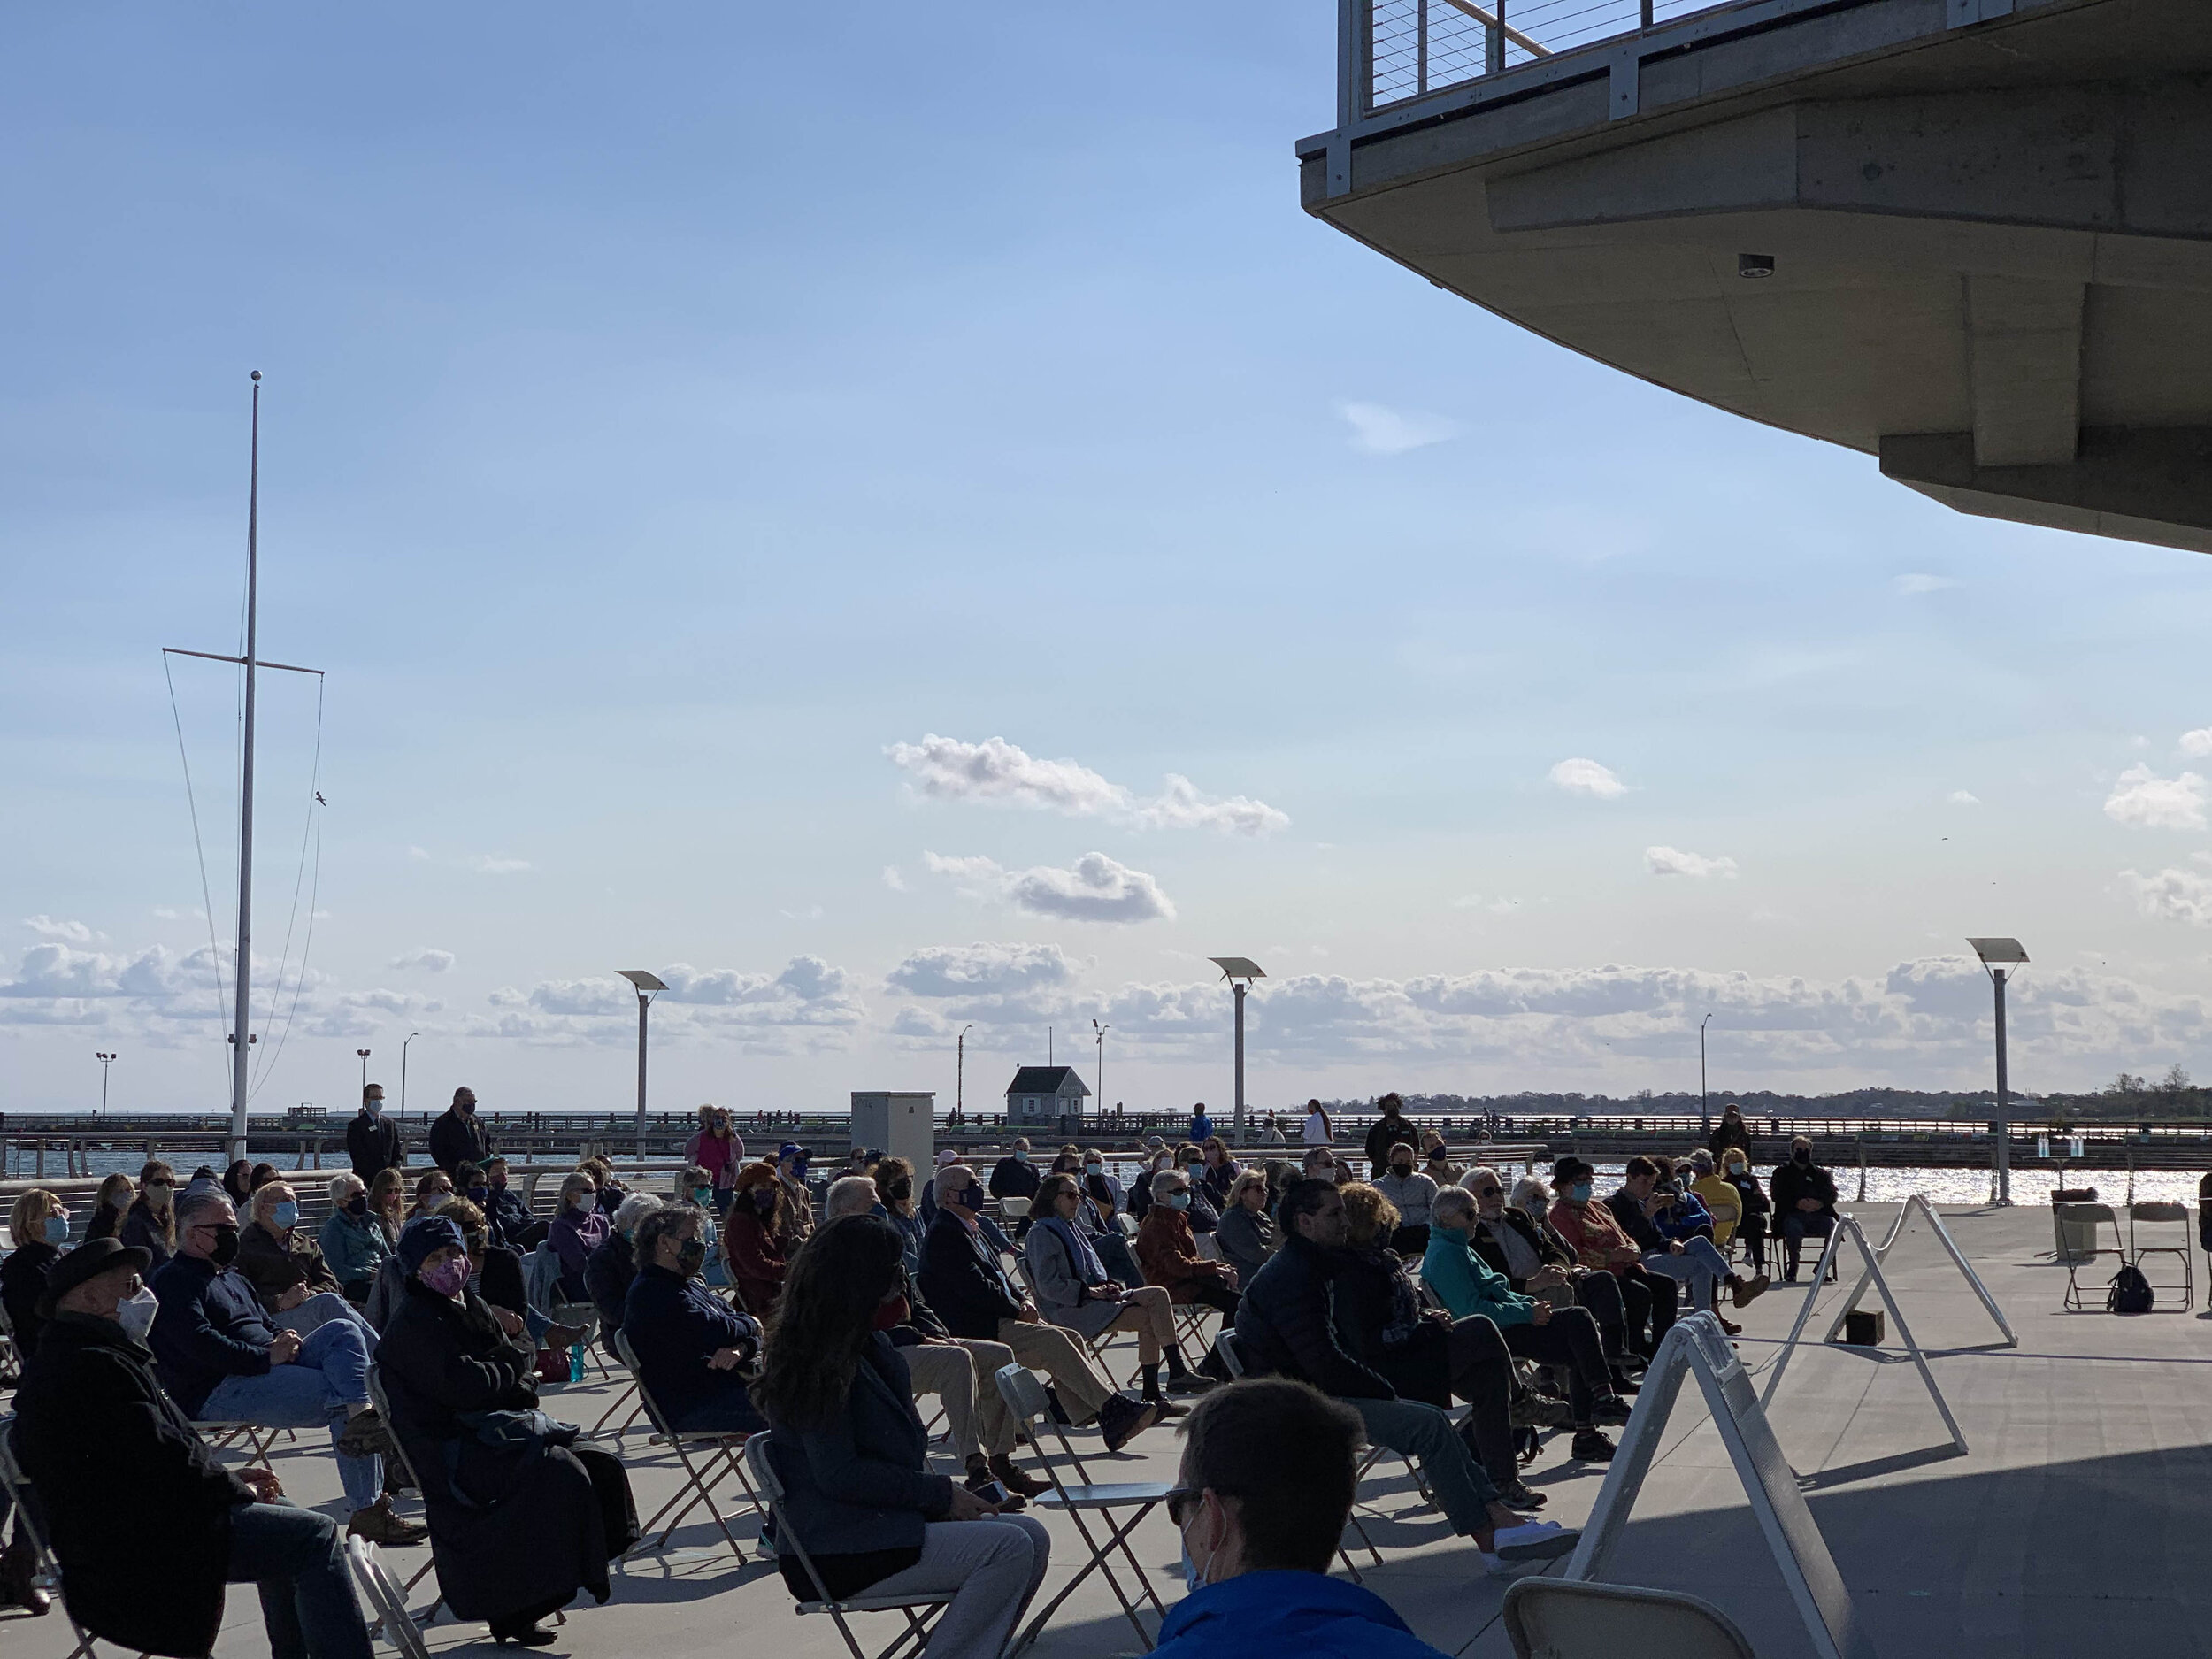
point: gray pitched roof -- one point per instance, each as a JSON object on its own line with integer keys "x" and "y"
{"x": 1044, "y": 1079}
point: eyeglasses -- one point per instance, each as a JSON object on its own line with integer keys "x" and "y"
{"x": 1178, "y": 1500}
{"x": 1488, "y": 1192}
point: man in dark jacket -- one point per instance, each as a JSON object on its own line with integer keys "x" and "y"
{"x": 148, "y": 1574}
{"x": 1286, "y": 1324}
{"x": 457, "y": 1137}
{"x": 222, "y": 1361}
{"x": 510, "y": 1220}
{"x": 690, "y": 1344}
{"x": 966, "y": 1285}
{"x": 373, "y": 1139}
{"x": 1804, "y": 1202}
{"x": 1390, "y": 1130}
{"x": 1016, "y": 1176}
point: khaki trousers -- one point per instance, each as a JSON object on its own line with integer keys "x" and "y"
{"x": 1048, "y": 1349}
{"x": 959, "y": 1374}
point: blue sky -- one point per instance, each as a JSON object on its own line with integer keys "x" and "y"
{"x": 670, "y": 413}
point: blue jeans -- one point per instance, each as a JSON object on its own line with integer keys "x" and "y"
{"x": 1464, "y": 1491}
{"x": 329, "y": 1375}
{"x": 1699, "y": 1266}
{"x": 298, "y": 1560}
{"x": 319, "y": 1311}
{"x": 1795, "y": 1226}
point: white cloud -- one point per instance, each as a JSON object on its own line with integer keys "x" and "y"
{"x": 2172, "y": 895}
{"x": 991, "y": 971}
{"x": 1496, "y": 906}
{"x": 2148, "y": 802}
{"x": 1964, "y": 797}
{"x": 418, "y": 853}
{"x": 1097, "y": 889}
{"x": 1377, "y": 430}
{"x": 1921, "y": 582}
{"x": 1671, "y": 861}
{"x": 997, "y": 772}
{"x": 892, "y": 880}
{"x": 1578, "y": 775}
{"x": 65, "y": 933}
{"x": 426, "y": 959}
{"x": 498, "y": 865}
{"x": 2197, "y": 743}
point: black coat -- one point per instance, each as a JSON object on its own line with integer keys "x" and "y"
{"x": 373, "y": 1146}
{"x": 140, "y": 1230}
{"x": 511, "y": 1528}
{"x": 1726, "y": 1134}
{"x": 1793, "y": 1180}
{"x": 964, "y": 1281}
{"x": 458, "y": 1138}
{"x": 509, "y": 1216}
{"x": 1011, "y": 1177}
{"x": 608, "y": 1272}
{"x": 1387, "y": 1133}
{"x": 674, "y": 1326}
{"x": 1367, "y": 1285}
{"x": 22, "y": 1282}
{"x": 1287, "y": 1322}
{"x": 136, "y": 1507}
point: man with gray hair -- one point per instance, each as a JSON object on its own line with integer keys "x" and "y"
{"x": 956, "y": 1369}
{"x": 609, "y": 1268}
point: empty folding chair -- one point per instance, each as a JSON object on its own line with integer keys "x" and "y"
{"x": 28, "y": 1517}
{"x": 2180, "y": 1245}
{"x": 1102, "y": 1501}
{"x": 2083, "y": 1220}
{"x": 1566, "y": 1619}
{"x": 1011, "y": 1210}
{"x": 921, "y": 1610}
{"x": 720, "y": 1459}
{"x": 385, "y": 1599}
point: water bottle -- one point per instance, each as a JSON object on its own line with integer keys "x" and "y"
{"x": 576, "y": 1362}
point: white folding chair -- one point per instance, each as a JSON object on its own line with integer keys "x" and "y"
{"x": 1571, "y": 1618}
{"x": 2089, "y": 1216}
{"x": 2166, "y": 1215}
{"x": 1025, "y": 1398}
{"x": 47, "y": 1571}
{"x": 921, "y": 1610}
{"x": 407, "y": 1467}
{"x": 1013, "y": 1208}
{"x": 720, "y": 1458}
{"x": 386, "y": 1600}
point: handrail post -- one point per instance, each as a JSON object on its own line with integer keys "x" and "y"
{"x": 1493, "y": 44}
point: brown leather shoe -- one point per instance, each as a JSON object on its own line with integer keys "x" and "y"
{"x": 379, "y": 1525}
{"x": 1015, "y": 1479}
{"x": 18, "y": 1571}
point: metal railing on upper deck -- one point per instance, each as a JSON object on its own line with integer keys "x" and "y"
{"x": 1403, "y": 49}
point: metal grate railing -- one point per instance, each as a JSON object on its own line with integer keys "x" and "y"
{"x": 1416, "y": 47}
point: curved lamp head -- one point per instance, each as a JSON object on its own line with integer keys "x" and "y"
{"x": 644, "y": 981}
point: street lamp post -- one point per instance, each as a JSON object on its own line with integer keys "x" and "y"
{"x": 364, "y": 1052}
{"x": 1240, "y": 971}
{"x": 960, "y": 1068}
{"x": 1100, "y": 1039}
{"x": 106, "y": 1060}
{"x": 647, "y": 985}
{"x": 1997, "y": 955}
{"x": 1704, "y": 1097}
{"x": 402, "y": 1072}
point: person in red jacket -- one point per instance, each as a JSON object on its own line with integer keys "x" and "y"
{"x": 750, "y": 1234}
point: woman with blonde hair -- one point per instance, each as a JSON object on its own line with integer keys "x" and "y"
{"x": 39, "y": 1224}
{"x": 388, "y": 1205}
{"x": 110, "y": 1205}
{"x": 151, "y": 1225}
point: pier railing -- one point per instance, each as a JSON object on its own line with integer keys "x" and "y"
{"x": 1398, "y": 51}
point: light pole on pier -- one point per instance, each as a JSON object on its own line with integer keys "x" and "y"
{"x": 648, "y": 984}
{"x": 105, "y": 1060}
{"x": 1704, "y": 1097}
{"x": 1100, "y": 1039}
{"x": 402, "y": 1072}
{"x": 364, "y": 1052}
{"x": 1240, "y": 971}
{"x": 960, "y": 1068}
{"x": 1997, "y": 955}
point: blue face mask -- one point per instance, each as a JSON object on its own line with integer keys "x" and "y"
{"x": 1020, "y": 1157}
{"x": 1176, "y": 1200}
{"x": 57, "y": 1229}
{"x": 1192, "y": 1581}
{"x": 375, "y": 1107}
{"x": 286, "y": 1215}
{"x": 1580, "y": 1192}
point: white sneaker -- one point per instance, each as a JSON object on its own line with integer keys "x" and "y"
{"x": 1533, "y": 1541}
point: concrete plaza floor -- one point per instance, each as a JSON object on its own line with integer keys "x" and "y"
{"x": 2080, "y": 1513}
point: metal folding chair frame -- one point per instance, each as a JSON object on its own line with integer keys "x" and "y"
{"x": 698, "y": 1487}
{"x": 383, "y": 1405}
{"x": 2162, "y": 1215}
{"x": 2092, "y": 1214}
{"x": 921, "y": 1611}
{"x": 1025, "y": 1398}
{"x": 385, "y": 1599}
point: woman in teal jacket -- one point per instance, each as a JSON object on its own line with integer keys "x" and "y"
{"x": 353, "y": 1245}
{"x": 1565, "y": 1337}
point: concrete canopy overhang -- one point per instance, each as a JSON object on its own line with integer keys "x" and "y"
{"x": 2005, "y": 291}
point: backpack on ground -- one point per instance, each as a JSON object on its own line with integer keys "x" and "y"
{"x": 2130, "y": 1292}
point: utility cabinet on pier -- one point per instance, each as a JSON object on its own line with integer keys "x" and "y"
{"x": 899, "y": 1126}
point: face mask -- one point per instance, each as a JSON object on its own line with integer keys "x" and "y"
{"x": 585, "y": 1202}
{"x": 691, "y": 1255}
{"x": 901, "y": 1190}
{"x": 375, "y": 1107}
{"x": 225, "y": 1248}
{"x": 1091, "y": 1166}
{"x": 1021, "y": 1157}
{"x": 1176, "y": 1200}
{"x": 57, "y": 1229}
{"x": 1802, "y": 1157}
{"x": 285, "y": 1216}
{"x": 1401, "y": 1168}
{"x": 764, "y": 1200}
{"x": 700, "y": 1195}
{"x": 446, "y": 1278}
{"x": 466, "y": 1107}
{"x": 478, "y": 1194}
{"x": 357, "y": 1205}
{"x": 157, "y": 1194}
{"x": 136, "y": 1314}
{"x": 1580, "y": 1192}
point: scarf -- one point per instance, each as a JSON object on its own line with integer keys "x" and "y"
{"x": 1088, "y": 1268}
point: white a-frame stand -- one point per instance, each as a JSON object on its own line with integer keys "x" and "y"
{"x": 1698, "y": 1345}
{"x": 1919, "y": 1202}
{"x": 1847, "y": 1228}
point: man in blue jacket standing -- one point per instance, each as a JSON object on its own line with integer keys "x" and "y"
{"x": 1260, "y": 1530}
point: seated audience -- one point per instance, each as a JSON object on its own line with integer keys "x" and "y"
{"x": 1101, "y": 1223}
{"x": 1014, "y": 1176}
{"x": 507, "y": 1212}
{"x": 353, "y": 1245}
{"x": 1804, "y": 1202}
{"x": 1517, "y": 1242}
{"x": 224, "y": 1360}
{"x": 432, "y": 1188}
{"x": 1437, "y": 1161}
{"x": 1093, "y": 1175}
{"x": 387, "y": 1204}
{"x": 1722, "y": 1201}
{"x": 1410, "y": 1194}
{"x": 796, "y": 1219}
{"x": 148, "y": 1225}
{"x": 853, "y": 1456}
{"x": 1217, "y": 1171}
{"x": 1190, "y": 1162}
{"x": 894, "y": 1189}
{"x": 1247, "y": 1235}
{"x": 110, "y": 1205}
{"x": 1288, "y": 1326}
{"x": 690, "y": 1344}
{"x": 1169, "y": 1253}
{"x": 1753, "y": 1221}
{"x": 1260, "y": 1530}
{"x": 38, "y": 1224}
{"x": 751, "y": 1238}
{"x": 1567, "y": 1338}
{"x": 958, "y": 1370}
{"x": 521, "y": 1517}
{"x": 1075, "y": 1292}
{"x": 609, "y": 1269}
{"x": 963, "y": 1277}
{"x": 579, "y": 1228}
{"x": 147, "y": 1526}
{"x": 611, "y": 1192}
{"x": 1673, "y": 1240}
{"x": 281, "y": 1261}
{"x": 1586, "y": 1224}
{"x": 1321, "y": 1165}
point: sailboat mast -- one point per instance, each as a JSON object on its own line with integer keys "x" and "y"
{"x": 241, "y": 1037}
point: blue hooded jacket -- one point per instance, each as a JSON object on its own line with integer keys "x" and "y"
{"x": 1266, "y": 1614}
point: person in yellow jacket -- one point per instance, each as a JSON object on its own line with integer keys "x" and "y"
{"x": 1719, "y": 1197}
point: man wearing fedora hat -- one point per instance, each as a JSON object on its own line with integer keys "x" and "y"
{"x": 148, "y": 1574}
